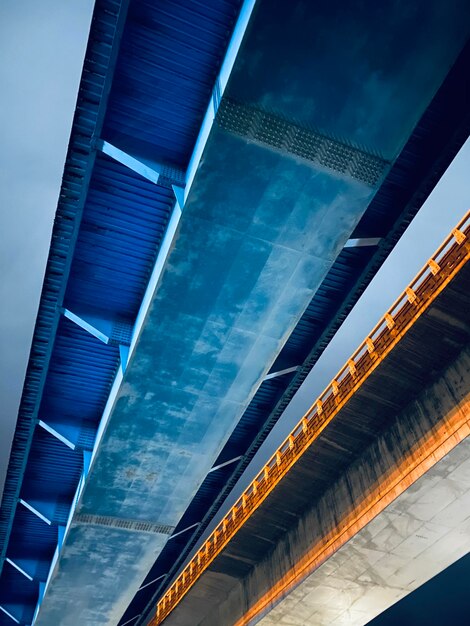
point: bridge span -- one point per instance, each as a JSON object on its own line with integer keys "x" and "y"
{"x": 369, "y": 496}
{"x": 237, "y": 172}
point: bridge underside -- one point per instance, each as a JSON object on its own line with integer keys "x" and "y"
{"x": 292, "y": 161}
{"x": 377, "y": 505}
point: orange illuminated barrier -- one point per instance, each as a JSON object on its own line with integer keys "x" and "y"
{"x": 417, "y": 297}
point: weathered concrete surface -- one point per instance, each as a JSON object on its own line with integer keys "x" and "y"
{"x": 259, "y": 231}
{"x": 396, "y": 517}
{"x": 111, "y": 549}
{"x": 243, "y": 268}
{"x": 381, "y": 55}
{"x": 245, "y": 264}
{"x": 422, "y": 532}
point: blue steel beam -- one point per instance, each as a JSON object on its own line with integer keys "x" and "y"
{"x": 179, "y": 195}
{"x": 56, "y": 434}
{"x": 36, "y": 512}
{"x": 14, "y": 590}
{"x": 178, "y": 190}
{"x": 109, "y": 332}
{"x": 9, "y": 612}
{"x": 221, "y": 465}
{"x": 287, "y": 370}
{"x": 363, "y": 241}
{"x": 32, "y": 569}
{"x": 21, "y": 568}
{"x": 49, "y": 511}
{"x": 129, "y": 621}
{"x": 90, "y": 328}
{"x": 109, "y": 21}
{"x": 72, "y": 434}
{"x": 185, "y": 530}
{"x": 153, "y": 172}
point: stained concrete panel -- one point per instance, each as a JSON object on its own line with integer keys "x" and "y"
{"x": 422, "y": 532}
{"x": 111, "y": 554}
{"x": 386, "y": 59}
{"x": 363, "y": 554}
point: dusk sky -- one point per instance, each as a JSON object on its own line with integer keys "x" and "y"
{"x": 42, "y": 45}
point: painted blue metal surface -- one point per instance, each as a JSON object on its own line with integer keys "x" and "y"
{"x": 32, "y": 545}
{"x": 21, "y": 532}
{"x": 17, "y": 597}
{"x": 170, "y": 56}
{"x": 80, "y": 375}
{"x": 51, "y": 476}
{"x": 124, "y": 220}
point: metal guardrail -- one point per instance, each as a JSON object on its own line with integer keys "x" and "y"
{"x": 417, "y": 297}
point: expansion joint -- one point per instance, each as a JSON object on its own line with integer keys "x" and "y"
{"x": 276, "y": 132}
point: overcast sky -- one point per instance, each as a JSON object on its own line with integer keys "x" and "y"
{"x": 42, "y": 46}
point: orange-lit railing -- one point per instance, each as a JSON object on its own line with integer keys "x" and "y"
{"x": 417, "y": 297}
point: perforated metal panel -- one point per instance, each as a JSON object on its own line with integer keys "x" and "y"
{"x": 280, "y": 134}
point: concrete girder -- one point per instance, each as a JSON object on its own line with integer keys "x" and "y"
{"x": 290, "y": 138}
{"x": 420, "y": 534}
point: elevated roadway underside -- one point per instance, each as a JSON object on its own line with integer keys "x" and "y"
{"x": 369, "y": 510}
{"x": 260, "y": 205}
